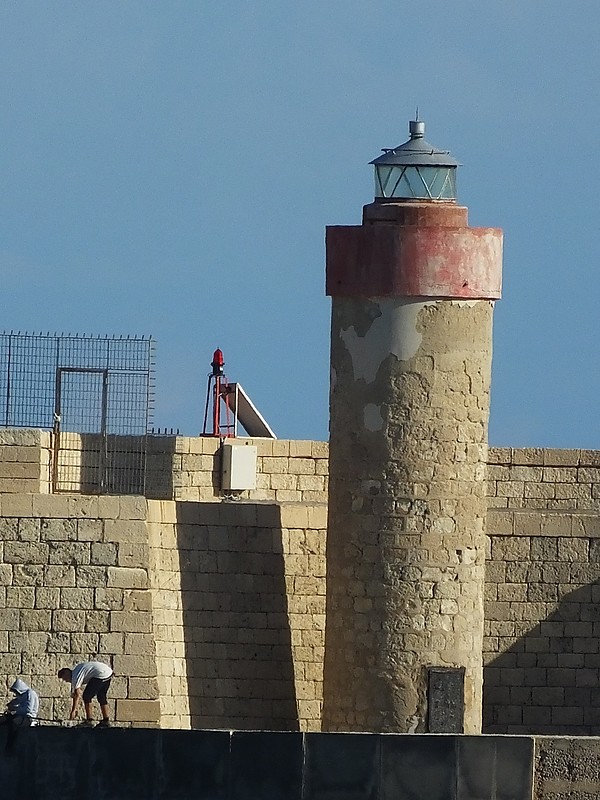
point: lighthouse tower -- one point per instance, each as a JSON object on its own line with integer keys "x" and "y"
{"x": 413, "y": 290}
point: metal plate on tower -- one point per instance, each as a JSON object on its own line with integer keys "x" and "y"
{"x": 446, "y": 699}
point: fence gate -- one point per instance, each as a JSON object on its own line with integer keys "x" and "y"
{"x": 95, "y": 394}
{"x": 80, "y": 460}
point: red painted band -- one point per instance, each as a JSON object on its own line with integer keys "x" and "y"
{"x": 413, "y": 261}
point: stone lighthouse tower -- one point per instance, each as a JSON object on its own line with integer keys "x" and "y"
{"x": 413, "y": 290}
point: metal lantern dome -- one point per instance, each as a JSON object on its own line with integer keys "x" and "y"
{"x": 415, "y": 170}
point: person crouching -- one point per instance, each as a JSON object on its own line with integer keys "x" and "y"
{"x": 88, "y": 680}
{"x": 21, "y": 711}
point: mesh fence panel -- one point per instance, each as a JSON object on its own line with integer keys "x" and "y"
{"x": 96, "y": 394}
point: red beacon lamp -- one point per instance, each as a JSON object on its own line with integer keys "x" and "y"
{"x": 219, "y": 390}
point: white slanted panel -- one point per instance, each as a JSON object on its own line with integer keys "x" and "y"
{"x": 247, "y": 414}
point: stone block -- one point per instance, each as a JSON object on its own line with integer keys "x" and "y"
{"x": 130, "y": 621}
{"x": 67, "y": 621}
{"x": 59, "y": 642}
{"x": 127, "y": 578}
{"x": 142, "y": 689}
{"x": 556, "y": 524}
{"x": 108, "y": 507}
{"x": 526, "y": 455}
{"x": 137, "y": 666}
{"x": 9, "y": 530}
{"x": 500, "y": 522}
{"x": 29, "y": 530}
{"x": 103, "y": 553}
{"x": 97, "y": 621}
{"x": 510, "y": 549}
{"x": 132, "y": 508}
{"x": 300, "y": 448}
{"x": 21, "y": 471}
{"x": 529, "y": 474}
{"x": 76, "y": 598}
{"x": 51, "y": 505}
{"x": 26, "y": 552}
{"x": 109, "y": 599}
{"x": 137, "y": 600}
{"x": 84, "y": 643}
{"x": 111, "y": 643}
{"x": 281, "y": 447}
{"x": 499, "y": 455}
{"x": 69, "y": 553}
{"x": 277, "y": 465}
{"x": 123, "y": 530}
{"x": 138, "y": 710}
{"x": 320, "y": 450}
{"x": 21, "y": 437}
{"x": 139, "y": 644}
{"x": 59, "y": 575}
{"x": 47, "y": 597}
{"x": 17, "y": 505}
{"x": 317, "y": 518}
{"x": 559, "y": 458}
{"x": 92, "y": 576}
{"x": 90, "y": 530}
{"x": 539, "y": 490}
{"x": 573, "y": 491}
{"x": 20, "y": 596}
{"x": 294, "y": 515}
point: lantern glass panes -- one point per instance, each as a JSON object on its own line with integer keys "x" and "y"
{"x": 415, "y": 182}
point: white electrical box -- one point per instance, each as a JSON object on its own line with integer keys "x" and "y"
{"x": 238, "y": 470}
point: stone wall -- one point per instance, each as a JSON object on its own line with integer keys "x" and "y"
{"x": 225, "y": 590}
{"x": 211, "y": 614}
{"x": 185, "y": 468}
{"x": 239, "y": 613}
{"x": 167, "y": 620}
{"x": 536, "y": 478}
{"x": 25, "y": 457}
{"x": 188, "y": 468}
{"x": 566, "y": 768}
{"x": 541, "y": 647}
{"x": 74, "y": 586}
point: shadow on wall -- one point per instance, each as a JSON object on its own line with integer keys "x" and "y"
{"x": 548, "y": 680}
{"x": 238, "y": 644}
{"x": 159, "y": 467}
{"x": 91, "y": 464}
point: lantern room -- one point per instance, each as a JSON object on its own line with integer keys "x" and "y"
{"x": 415, "y": 170}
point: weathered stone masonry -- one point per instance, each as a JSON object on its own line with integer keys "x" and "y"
{"x": 409, "y": 404}
{"x": 204, "y": 583}
{"x": 74, "y": 584}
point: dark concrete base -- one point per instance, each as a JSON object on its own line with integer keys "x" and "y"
{"x": 120, "y": 764}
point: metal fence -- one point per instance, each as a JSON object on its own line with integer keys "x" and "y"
{"x": 95, "y": 393}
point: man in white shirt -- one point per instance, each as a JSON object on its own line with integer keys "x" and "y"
{"x": 88, "y": 680}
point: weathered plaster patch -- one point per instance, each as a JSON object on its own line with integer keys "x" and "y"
{"x": 468, "y": 303}
{"x": 372, "y": 417}
{"x": 395, "y": 332}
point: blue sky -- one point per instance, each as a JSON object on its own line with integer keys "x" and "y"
{"x": 169, "y": 168}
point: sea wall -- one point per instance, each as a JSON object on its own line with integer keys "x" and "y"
{"x": 232, "y": 765}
